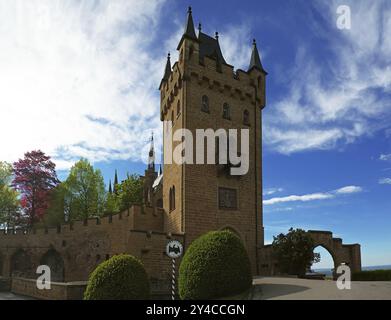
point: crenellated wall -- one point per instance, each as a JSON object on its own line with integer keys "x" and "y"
{"x": 75, "y": 249}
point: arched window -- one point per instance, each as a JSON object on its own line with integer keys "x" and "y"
{"x": 172, "y": 116}
{"x": 173, "y": 197}
{"x": 54, "y": 260}
{"x": 246, "y": 117}
{"x": 170, "y": 200}
{"x": 178, "y": 108}
{"x": 226, "y": 111}
{"x": 205, "y": 104}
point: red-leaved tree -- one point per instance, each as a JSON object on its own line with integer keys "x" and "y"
{"x": 34, "y": 177}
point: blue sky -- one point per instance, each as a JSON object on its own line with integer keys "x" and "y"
{"x": 89, "y": 73}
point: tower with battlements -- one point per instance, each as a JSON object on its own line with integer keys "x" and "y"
{"x": 203, "y": 91}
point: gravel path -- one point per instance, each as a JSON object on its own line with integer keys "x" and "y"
{"x": 276, "y": 288}
{"x": 11, "y": 296}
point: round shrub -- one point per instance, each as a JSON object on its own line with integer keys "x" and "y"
{"x": 215, "y": 265}
{"x": 121, "y": 277}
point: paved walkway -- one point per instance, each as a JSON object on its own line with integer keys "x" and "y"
{"x": 275, "y": 288}
{"x": 11, "y": 296}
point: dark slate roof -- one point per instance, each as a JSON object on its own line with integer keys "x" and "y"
{"x": 255, "y": 61}
{"x": 210, "y": 47}
{"x": 167, "y": 71}
{"x": 189, "y": 29}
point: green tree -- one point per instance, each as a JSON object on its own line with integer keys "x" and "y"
{"x": 112, "y": 204}
{"x": 56, "y": 212}
{"x": 294, "y": 251}
{"x": 9, "y": 198}
{"x": 5, "y": 173}
{"x": 130, "y": 192}
{"x": 84, "y": 191}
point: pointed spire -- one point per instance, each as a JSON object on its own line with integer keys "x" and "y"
{"x": 167, "y": 71}
{"x": 189, "y": 28}
{"x": 110, "y": 189}
{"x": 217, "y": 36}
{"x": 255, "y": 61}
{"x": 151, "y": 155}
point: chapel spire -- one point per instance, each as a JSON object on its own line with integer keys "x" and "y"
{"x": 151, "y": 155}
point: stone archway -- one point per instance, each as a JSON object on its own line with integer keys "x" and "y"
{"x": 325, "y": 249}
{"x": 233, "y": 230}
{"x": 21, "y": 264}
{"x": 56, "y": 264}
{"x": 350, "y": 254}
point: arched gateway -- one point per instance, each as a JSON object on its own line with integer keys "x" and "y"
{"x": 349, "y": 254}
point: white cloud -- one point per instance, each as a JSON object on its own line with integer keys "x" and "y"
{"x": 313, "y": 196}
{"x": 385, "y": 181}
{"x": 304, "y": 198}
{"x": 329, "y": 104}
{"x": 235, "y": 50}
{"x": 348, "y": 189}
{"x": 78, "y": 79}
{"x": 270, "y": 191}
{"x": 385, "y": 157}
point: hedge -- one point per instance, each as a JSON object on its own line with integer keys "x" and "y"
{"x": 372, "y": 275}
{"x": 215, "y": 265}
{"x": 121, "y": 277}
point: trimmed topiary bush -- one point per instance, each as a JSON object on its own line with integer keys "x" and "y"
{"x": 122, "y": 277}
{"x": 215, "y": 265}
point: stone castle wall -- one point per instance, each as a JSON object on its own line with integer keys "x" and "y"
{"x": 82, "y": 245}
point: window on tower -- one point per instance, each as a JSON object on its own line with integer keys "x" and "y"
{"x": 228, "y": 198}
{"x": 226, "y": 111}
{"x": 246, "y": 117}
{"x": 178, "y": 109}
{"x": 205, "y": 104}
{"x": 172, "y": 199}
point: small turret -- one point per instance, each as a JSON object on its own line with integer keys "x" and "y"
{"x": 189, "y": 32}
{"x": 167, "y": 71}
{"x": 255, "y": 61}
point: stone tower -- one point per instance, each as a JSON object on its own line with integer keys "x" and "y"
{"x": 200, "y": 91}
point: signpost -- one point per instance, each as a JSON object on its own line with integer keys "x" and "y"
{"x": 174, "y": 250}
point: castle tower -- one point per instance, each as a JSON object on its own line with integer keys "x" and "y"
{"x": 203, "y": 91}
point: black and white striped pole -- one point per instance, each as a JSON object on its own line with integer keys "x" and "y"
{"x": 174, "y": 250}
